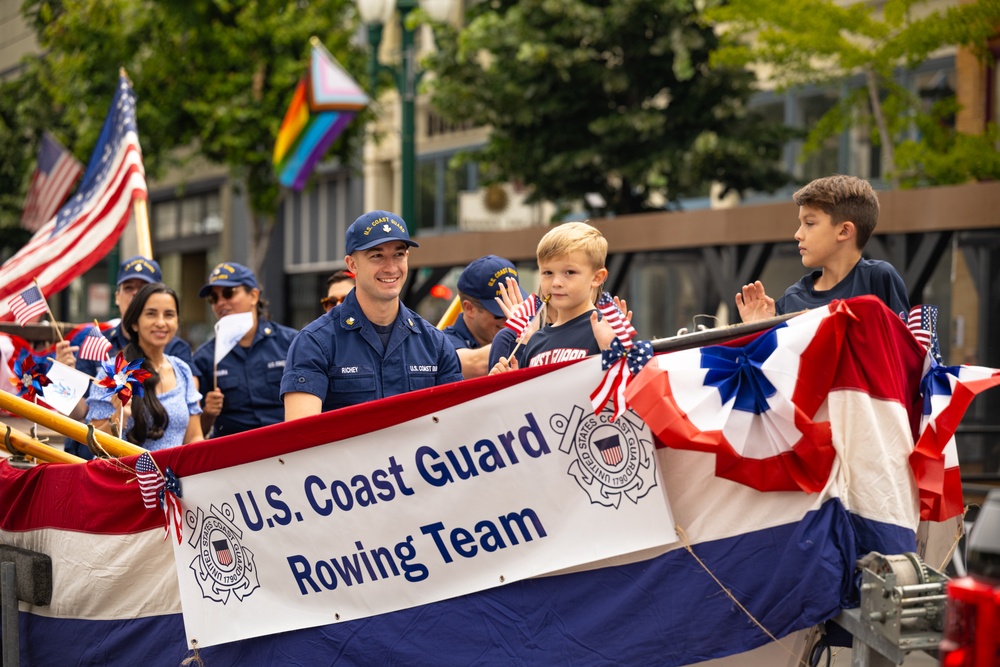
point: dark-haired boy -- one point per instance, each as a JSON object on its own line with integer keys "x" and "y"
{"x": 837, "y": 215}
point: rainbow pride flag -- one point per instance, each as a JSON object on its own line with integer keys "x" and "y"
{"x": 324, "y": 102}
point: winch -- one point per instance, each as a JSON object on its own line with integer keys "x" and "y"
{"x": 903, "y": 599}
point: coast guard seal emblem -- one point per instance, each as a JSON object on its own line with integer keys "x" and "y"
{"x": 610, "y": 459}
{"x": 223, "y": 567}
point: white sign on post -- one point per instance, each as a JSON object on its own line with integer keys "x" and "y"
{"x": 511, "y": 485}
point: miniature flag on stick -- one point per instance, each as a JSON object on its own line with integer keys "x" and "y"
{"x": 523, "y": 314}
{"x": 922, "y": 323}
{"x": 95, "y": 346}
{"x": 28, "y": 305}
{"x": 150, "y": 480}
{"x": 619, "y": 360}
{"x": 622, "y": 327}
{"x": 323, "y": 104}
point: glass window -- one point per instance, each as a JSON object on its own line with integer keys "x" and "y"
{"x": 192, "y": 218}
{"x": 165, "y": 220}
{"x": 823, "y": 161}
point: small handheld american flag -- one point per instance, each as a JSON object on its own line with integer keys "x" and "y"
{"x": 28, "y": 305}
{"x": 623, "y": 329}
{"x": 922, "y": 322}
{"x": 522, "y": 315}
{"x": 150, "y": 480}
{"x": 94, "y": 347}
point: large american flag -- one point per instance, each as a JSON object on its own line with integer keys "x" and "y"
{"x": 51, "y": 182}
{"x": 88, "y": 226}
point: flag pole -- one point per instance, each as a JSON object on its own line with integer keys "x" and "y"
{"x": 55, "y": 325}
{"x": 450, "y": 315}
{"x": 65, "y": 425}
{"x": 140, "y": 210}
{"x": 25, "y": 444}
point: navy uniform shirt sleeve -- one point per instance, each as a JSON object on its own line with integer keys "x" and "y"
{"x": 460, "y": 336}
{"x": 503, "y": 344}
{"x": 202, "y": 366}
{"x": 306, "y": 366}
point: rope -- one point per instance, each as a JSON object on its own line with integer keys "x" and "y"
{"x": 687, "y": 545}
{"x": 194, "y": 658}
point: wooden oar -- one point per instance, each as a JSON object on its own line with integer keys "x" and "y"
{"x": 25, "y": 444}
{"x": 65, "y": 425}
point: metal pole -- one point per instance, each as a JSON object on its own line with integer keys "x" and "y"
{"x": 9, "y": 640}
{"x": 406, "y": 81}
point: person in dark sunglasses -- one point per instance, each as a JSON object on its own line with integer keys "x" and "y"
{"x": 242, "y": 392}
{"x": 338, "y": 286}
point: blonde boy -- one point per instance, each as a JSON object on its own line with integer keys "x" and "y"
{"x": 837, "y": 216}
{"x": 571, "y": 267}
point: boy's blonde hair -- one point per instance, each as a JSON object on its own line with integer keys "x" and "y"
{"x": 843, "y": 198}
{"x": 571, "y": 237}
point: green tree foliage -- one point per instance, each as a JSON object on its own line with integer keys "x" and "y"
{"x": 213, "y": 79}
{"x": 823, "y": 42}
{"x": 607, "y": 96}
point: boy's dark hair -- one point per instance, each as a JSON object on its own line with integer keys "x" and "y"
{"x": 339, "y": 277}
{"x": 843, "y": 198}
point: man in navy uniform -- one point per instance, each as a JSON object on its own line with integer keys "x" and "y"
{"x": 246, "y": 395}
{"x": 371, "y": 346}
{"x": 481, "y": 316}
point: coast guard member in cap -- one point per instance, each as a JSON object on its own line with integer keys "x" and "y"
{"x": 133, "y": 274}
{"x": 370, "y": 346}
{"x": 482, "y": 317}
{"x": 249, "y": 376}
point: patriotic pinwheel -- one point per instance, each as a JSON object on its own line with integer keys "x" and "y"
{"x": 28, "y": 378}
{"x": 123, "y": 379}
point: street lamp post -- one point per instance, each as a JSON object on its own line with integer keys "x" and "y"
{"x": 375, "y": 14}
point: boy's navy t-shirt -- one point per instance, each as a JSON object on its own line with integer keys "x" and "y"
{"x": 869, "y": 276}
{"x": 573, "y": 340}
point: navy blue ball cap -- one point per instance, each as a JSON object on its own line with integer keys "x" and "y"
{"x": 481, "y": 280}
{"x": 377, "y": 227}
{"x": 228, "y": 274}
{"x": 140, "y": 267}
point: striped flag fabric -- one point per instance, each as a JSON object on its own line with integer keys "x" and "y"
{"x": 615, "y": 362}
{"x": 94, "y": 346}
{"x": 150, "y": 480}
{"x": 51, "y": 182}
{"x": 28, "y": 305}
{"x": 89, "y": 224}
{"x": 522, "y": 315}
{"x": 324, "y": 103}
{"x": 922, "y": 323}
{"x": 622, "y": 327}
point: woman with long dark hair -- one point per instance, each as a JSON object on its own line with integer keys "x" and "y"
{"x": 167, "y": 414}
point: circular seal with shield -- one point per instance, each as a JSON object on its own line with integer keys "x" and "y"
{"x": 223, "y": 567}
{"x": 610, "y": 459}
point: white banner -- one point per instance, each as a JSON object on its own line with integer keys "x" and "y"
{"x": 512, "y": 485}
